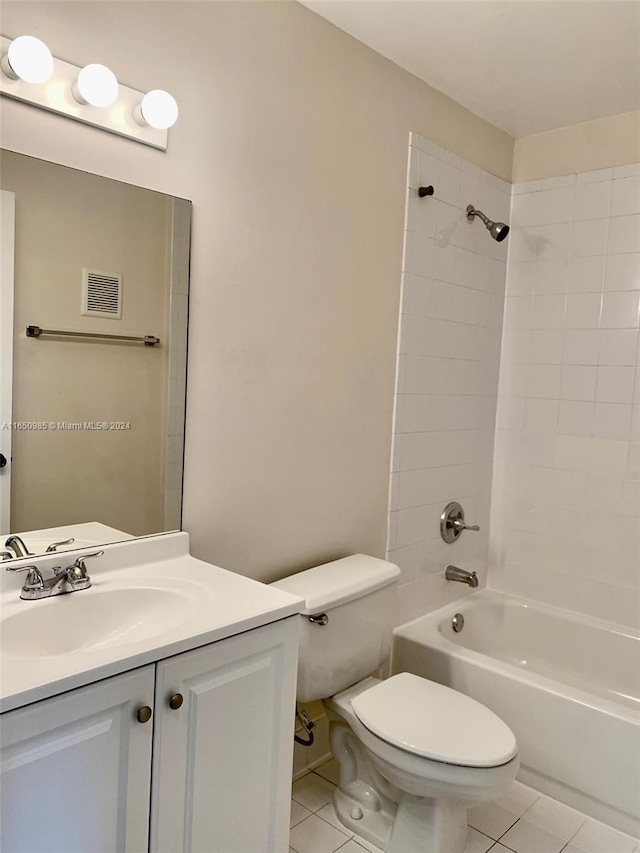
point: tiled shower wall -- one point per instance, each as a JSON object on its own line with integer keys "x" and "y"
{"x": 448, "y": 365}
{"x": 566, "y": 494}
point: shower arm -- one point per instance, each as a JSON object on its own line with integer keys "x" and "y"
{"x": 472, "y": 211}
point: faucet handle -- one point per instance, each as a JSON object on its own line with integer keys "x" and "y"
{"x": 78, "y": 570}
{"x": 460, "y": 524}
{"x": 7, "y": 555}
{"x": 55, "y": 545}
{"x": 34, "y": 578}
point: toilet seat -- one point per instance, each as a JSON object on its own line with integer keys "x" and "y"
{"x": 430, "y": 720}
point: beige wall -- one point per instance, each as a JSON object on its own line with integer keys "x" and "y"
{"x": 292, "y": 144}
{"x": 67, "y": 220}
{"x": 583, "y": 147}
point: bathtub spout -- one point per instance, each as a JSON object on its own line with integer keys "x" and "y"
{"x": 453, "y": 573}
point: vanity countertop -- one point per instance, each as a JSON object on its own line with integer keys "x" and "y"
{"x": 149, "y": 600}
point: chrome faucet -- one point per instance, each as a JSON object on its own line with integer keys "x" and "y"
{"x": 15, "y": 544}
{"x": 453, "y": 573}
{"x": 71, "y": 579}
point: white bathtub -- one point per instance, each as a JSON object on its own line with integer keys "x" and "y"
{"x": 567, "y": 685}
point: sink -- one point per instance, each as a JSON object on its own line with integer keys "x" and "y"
{"x": 91, "y": 620}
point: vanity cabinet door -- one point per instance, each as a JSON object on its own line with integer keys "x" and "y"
{"x": 222, "y": 760}
{"x": 75, "y": 770}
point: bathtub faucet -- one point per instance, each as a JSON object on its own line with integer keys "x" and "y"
{"x": 453, "y": 573}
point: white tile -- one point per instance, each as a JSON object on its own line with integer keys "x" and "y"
{"x": 583, "y": 311}
{"x": 554, "y": 241}
{"x": 578, "y": 383}
{"x": 523, "y": 244}
{"x": 312, "y": 792}
{"x": 367, "y": 845}
{"x": 589, "y": 237}
{"x": 618, "y": 347}
{"x": 551, "y": 276}
{"x": 595, "y": 837}
{"x": 592, "y": 201}
{"x": 493, "y": 819}
{"x": 522, "y": 277}
{"x": 575, "y": 418}
{"x": 544, "y": 381}
{"x": 624, "y": 235}
{"x": 449, "y": 184}
{"x": 546, "y": 346}
{"x": 526, "y": 187}
{"x": 620, "y": 310}
{"x": 314, "y": 835}
{"x": 625, "y": 199}
{"x": 352, "y": 846}
{"x": 555, "y": 205}
{"x": 622, "y": 272}
{"x": 525, "y": 837}
{"x": 612, "y": 420}
{"x": 298, "y": 813}
{"x": 477, "y": 843}
{"x": 554, "y": 817}
{"x": 328, "y": 813}
{"x": 548, "y": 311}
{"x": 581, "y": 346}
{"x": 615, "y": 384}
{"x": 525, "y": 209}
{"x": 562, "y": 181}
{"x": 586, "y": 275}
{"x": 626, "y": 171}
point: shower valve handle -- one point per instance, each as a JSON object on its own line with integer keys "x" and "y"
{"x": 460, "y": 524}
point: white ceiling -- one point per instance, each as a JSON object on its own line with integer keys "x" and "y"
{"x": 524, "y": 65}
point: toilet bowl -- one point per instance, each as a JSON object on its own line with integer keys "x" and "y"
{"x": 414, "y": 755}
{"x": 401, "y": 744}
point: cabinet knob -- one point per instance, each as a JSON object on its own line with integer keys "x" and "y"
{"x": 176, "y": 701}
{"x": 144, "y": 714}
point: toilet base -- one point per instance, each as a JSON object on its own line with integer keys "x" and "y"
{"x": 393, "y": 820}
{"x": 414, "y": 825}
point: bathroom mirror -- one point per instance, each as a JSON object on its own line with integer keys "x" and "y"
{"x": 93, "y": 338}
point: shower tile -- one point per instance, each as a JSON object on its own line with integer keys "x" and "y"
{"x": 593, "y": 177}
{"x": 626, "y": 197}
{"x": 592, "y": 201}
{"x": 623, "y": 272}
{"x": 624, "y": 235}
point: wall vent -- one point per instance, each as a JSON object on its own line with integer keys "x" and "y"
{"x": 101, "y": 294}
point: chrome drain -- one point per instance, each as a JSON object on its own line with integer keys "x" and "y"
{"x": 457, "y": 623}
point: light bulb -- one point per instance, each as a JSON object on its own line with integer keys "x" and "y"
{"x": 96, "y": 85}
{"x": 158, "y": 109}
{"x": 29, "y": 59}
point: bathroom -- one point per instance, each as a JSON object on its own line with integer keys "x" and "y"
{"x": 310, "y": 432}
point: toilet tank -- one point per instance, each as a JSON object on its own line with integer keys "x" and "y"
{"x": 358, "y": 596}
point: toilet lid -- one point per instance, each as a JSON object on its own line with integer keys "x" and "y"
{"x": 434, "y": 721}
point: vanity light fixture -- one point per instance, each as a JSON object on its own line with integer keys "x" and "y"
{"x": 91, "y": 94}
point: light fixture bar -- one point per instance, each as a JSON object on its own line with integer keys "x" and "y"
{"x": 56, "y": 95}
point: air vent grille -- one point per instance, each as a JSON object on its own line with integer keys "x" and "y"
{"x": 101, "y": 294}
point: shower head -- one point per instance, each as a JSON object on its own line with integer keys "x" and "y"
{"x": 498, "y": 230}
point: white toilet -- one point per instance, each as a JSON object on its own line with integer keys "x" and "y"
{"x": 414, "y": 755}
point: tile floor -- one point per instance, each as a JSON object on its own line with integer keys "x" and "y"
{"x": 523, "y": 821}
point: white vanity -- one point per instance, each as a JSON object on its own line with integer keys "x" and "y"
{"x": 151, "y": 712}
